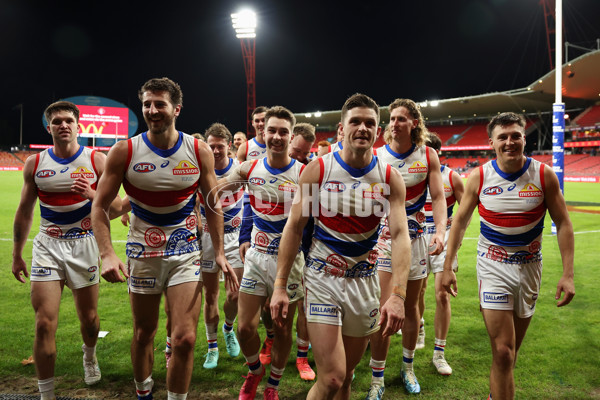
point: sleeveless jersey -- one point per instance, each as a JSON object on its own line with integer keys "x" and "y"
{"x": 511, "y": 209}
{"x": 352, "y": 203}
{"x": 337, "y": 146}
{"x": 414, "y": 167}
{"x": 64, "y": 214}
{"x": 161, "y": 185}
{"x": 450, "y": 201}
{"x": 271, "y": 193}
{"x": 255, "y": 150}
{"x": 232, "y": 203}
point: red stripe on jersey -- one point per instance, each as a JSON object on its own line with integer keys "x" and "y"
{"x": 510, "y": 220}
{"x": 415, "y": 191}
{"x": 349, "y": 224}
{"x": 59, "y": 198}
{"x": 129, "y": 154}
{"x": 159, "y": 199}
{"x": 266, "y": 207}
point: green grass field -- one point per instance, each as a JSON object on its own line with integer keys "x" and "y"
{"x": 559, "y": 358}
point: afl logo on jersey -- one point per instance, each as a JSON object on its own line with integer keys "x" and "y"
{"x": 257, "y": 181}
{"x": 144, "y": 167}
{"x": 492, "y": 191}
{"x": 253, "y": 153}
{"x": 45, "y": 173}
{"x": 334, "y": 186}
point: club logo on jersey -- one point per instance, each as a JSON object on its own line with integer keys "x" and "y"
{"x": 535, "y": 246}
{"x": 373, "y": 256}
{"x": 496, "y": 253}
{"x": 82, "y": 172}
{"x": 492, "y": 191}
{"x": 54, "y": 231}
{"x": 491, "y": 297}
{"x": 45, "y": 173}
{"x": 337, "y": 261}
{"x": 287, "y": 186}
{"x": 254, "y": 153}
{"x": 185, "y": 167}
{"x": 191, "y": 222}
{"x": 336, "y": 186}
{"x": 154, "y": 237}
{"x": 257, "y": 181}
{"x": 323, "y": 310}
{"x": 375, "y": 191}
{"x": 40, "y": 271}
{"x": 261, "y": 239}
{"x": 93, "y": 268}
{"x": 530, "y": 190}
{"x": 374, "y": 312}
{"x": 420, "y": 217}
{"x": 144, "y": 167}
{"x": 134, "y": 281}
{"x": 417, "y": 168}
{"x": 293, "y": 286}
{"x": 86, "y": 223}
{"x": 235, "y": 222}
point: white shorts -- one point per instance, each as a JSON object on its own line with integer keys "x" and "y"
{"x": 513, "y": 287}
{"x": 435, "y": 263}
{"x": 260, "y": 270}
{"x": 152, "y": 275}
{"x": 232, "y": 252}
{"x": 352, "y": 303}
{"x": 418, "y": 263}
{"x": 74, "y": 261}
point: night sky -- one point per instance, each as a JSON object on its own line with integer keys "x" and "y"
{"x": 309, "y": 55}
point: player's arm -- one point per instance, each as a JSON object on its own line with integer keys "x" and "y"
{"x": 241, "y": 153}
{"x": 214, "y": 214}
{"x": 107, "y": 190}
{"x": 460, "y": 222}
{"x": 24, "y": 220}
{"x": 438, "y": 202}
{"x": 392, "y": 312}
{"x": 555, "y": 202}
{"x": 291, "y": 237}
{"x": 238, "y": 177}
{"x": 457, "y": 186}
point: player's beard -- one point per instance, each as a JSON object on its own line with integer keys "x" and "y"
{"x": 161, "y": 125}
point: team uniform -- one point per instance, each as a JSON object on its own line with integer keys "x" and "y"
{"x": 337, "y": 146}
{"x": 232, "y": 209}
{"x": 65, "y": 248}
{"x": 255, "y": 150}
{"x": 162, "y": 245}
{"x": 435, "y": 263}
{"x": 342, "y": 285}
{"x": 509, "y": 251}
{"x": 414, "y": 167}
{"x": 271, "y": 192}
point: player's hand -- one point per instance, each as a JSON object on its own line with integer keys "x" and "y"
{"x": 19, "y": 269}
{"x": 82, "y": 187}
{"x": 449, "y": 282}
{"x": 125, "y": 219}
{"x": 392, "y": 316}
{"x": 112, "y": 267}
{"x": 231, "y": 281}
{"x": 243, "y": 249}
{"x": 437, "y": 244}
{"x": 566, "y": 286}
{"x": 279, "y": 306}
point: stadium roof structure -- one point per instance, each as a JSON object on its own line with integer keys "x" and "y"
{"x": 581, "y": 88}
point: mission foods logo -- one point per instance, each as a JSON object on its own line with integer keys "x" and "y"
{"x": 82, "y": 172}
{"x": 287, "y": 186}
{"x": 417, "y": 168}
{"x": 374, "y": 191}
{"x": 530, "y": 190}
{"x": 447, "y": 189}
{"x": 185, "y": 167}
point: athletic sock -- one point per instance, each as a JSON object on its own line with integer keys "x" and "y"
{"x": 275, "y": 377}
{"x": 378, "y": 368}
{"x": 228, "y": 325}
{"x": 176, "y": 396}
{"x": 440, "y": 346}
{"x": 168, "y": 345}
{"x": 270, "y": 333}
{"x": 88, "y": 352}
{"x": 407, "y": 358}
{"x": 144, "y": 389}
{"x": 211, "y": 337}
{"x": 302, "y": 348}
{"x": 254, "y": 364}
{"x": 46, "y": 387}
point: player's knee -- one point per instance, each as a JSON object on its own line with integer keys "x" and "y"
{"x": 504, "y": 356}
{"x": 143, "y": 335}
{"x": 45, "y": 326}
{"x": 442, "y": 298}
{"x": 232, "y": 297}
{"x": 245, "y": 330}
{"x": 333, "y": 381}
{"x": 183, "y": 342}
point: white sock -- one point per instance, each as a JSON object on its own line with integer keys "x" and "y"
{"x": 176, "y": 396}
{"x": 88, "y": 352}
{"x": 46, "y": 387}
{"x": 144, "y": 388}
{"x": 407, "y": 358}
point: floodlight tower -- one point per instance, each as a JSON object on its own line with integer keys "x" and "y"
{"x": 244, "y": 24}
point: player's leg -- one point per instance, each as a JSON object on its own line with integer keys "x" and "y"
{"x": 303, "y": 345}
{"x": 265, "y": 351}
{"x": 249, "y": 307}
{"x": 144, "y": 309}
{"x": 86, "y": 304}
{"x": 421, "y": 338}
{"x": 330, "y": 358}
{"x": 45, "y": 299}
{"x": 354, "y": 348}
{"x": 185, "y": 303}
{"x": 410, "y": 333}
{"x": 442, "y": 325}
{"x": 230, "y": 309}
{"x": 282, "y": 344}
{"x": 168, "y": 348}
{"x": 211, "y": 316}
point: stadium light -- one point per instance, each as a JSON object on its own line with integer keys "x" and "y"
{"x": 434, "y": 103}
{"x": 244, "y": 24}
{"x": 308, "y": 115}
{"x": 317, "y": 114}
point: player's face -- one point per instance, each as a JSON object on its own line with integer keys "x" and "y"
{"x": 159, "y": 112}
{"x": 258, "y": 122}
{"x": 238, "y": 139}
{"x": 219, "y": 147}
{"x": 508, "y": 142}
{"x": 277, "y": 135}
{"x": 63, "y": 126}
{"x": 401, "y": 123}
{"x": 300, "y": 148}
{"x": 360, "y": 128}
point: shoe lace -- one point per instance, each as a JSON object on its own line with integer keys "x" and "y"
{"x": 410, "y": 377}
{"x": 211, "y": 356}
{"x": 249, "y": 382}
{"x": 230, "y": 339}
{"x": 374, "y": 391}
{"x": 271, "y": 394}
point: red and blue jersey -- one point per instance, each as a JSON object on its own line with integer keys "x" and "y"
{"x": 162, "y": 185}
{"x": 512, "y": 210}
{"x": 255, "y": 150}
{"x": 64, "y": 214}
{"x": 450, "y": 201}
